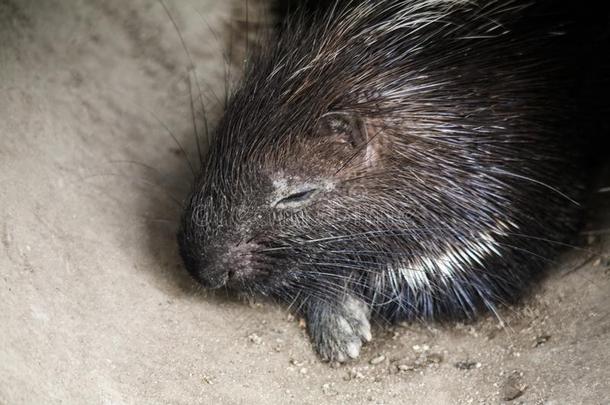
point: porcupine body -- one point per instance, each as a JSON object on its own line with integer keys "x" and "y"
{"x": 398, "y": 158}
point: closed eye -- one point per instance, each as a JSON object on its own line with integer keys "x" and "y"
{"x": 296, "y": 200}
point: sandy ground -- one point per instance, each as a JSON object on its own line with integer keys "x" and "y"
{"x": 96, "y": 308}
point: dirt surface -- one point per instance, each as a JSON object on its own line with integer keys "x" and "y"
{"x": 96, "y": 308}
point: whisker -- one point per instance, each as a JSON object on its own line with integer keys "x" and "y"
{"x": 178, "y": 144}
{"x": 134, "y": 162}
{"x": 507, "y": 173}
{"x": 148, "y": 183}
{"x": 602, "y": 231}
{"x": 190, "y": 68}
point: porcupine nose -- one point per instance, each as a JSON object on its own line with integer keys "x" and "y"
{"x": 212, "y": 277}
{"x": 212, "y": 269}
{"x": 221, "y": 266}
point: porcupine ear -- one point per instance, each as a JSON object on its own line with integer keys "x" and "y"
{"x": 353, "y": 131}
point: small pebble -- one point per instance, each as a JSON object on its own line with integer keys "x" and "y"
{"x": 377, "y": 360}
{"x": 297, "y": 363}
{"x": 434, "y": 358}
{"x": 540, "y": 340}
{"x": 513, "y": 387}
{"x": 254, "y": 338}
{"x": 467, "y": 365}
{"x": 405, "y": 367}
{"x": 353, "y": 374}
{"x": 421, "y": 348}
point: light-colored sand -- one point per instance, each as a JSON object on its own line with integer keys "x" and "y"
{"x": 96, "y": 308}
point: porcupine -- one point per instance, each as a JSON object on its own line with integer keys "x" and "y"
{"x": 397, "y": 158}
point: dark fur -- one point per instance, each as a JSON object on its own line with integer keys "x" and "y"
{"x": 416, "y": 141}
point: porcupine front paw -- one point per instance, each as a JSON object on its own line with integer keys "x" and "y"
{"x": 338, "y": 331}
